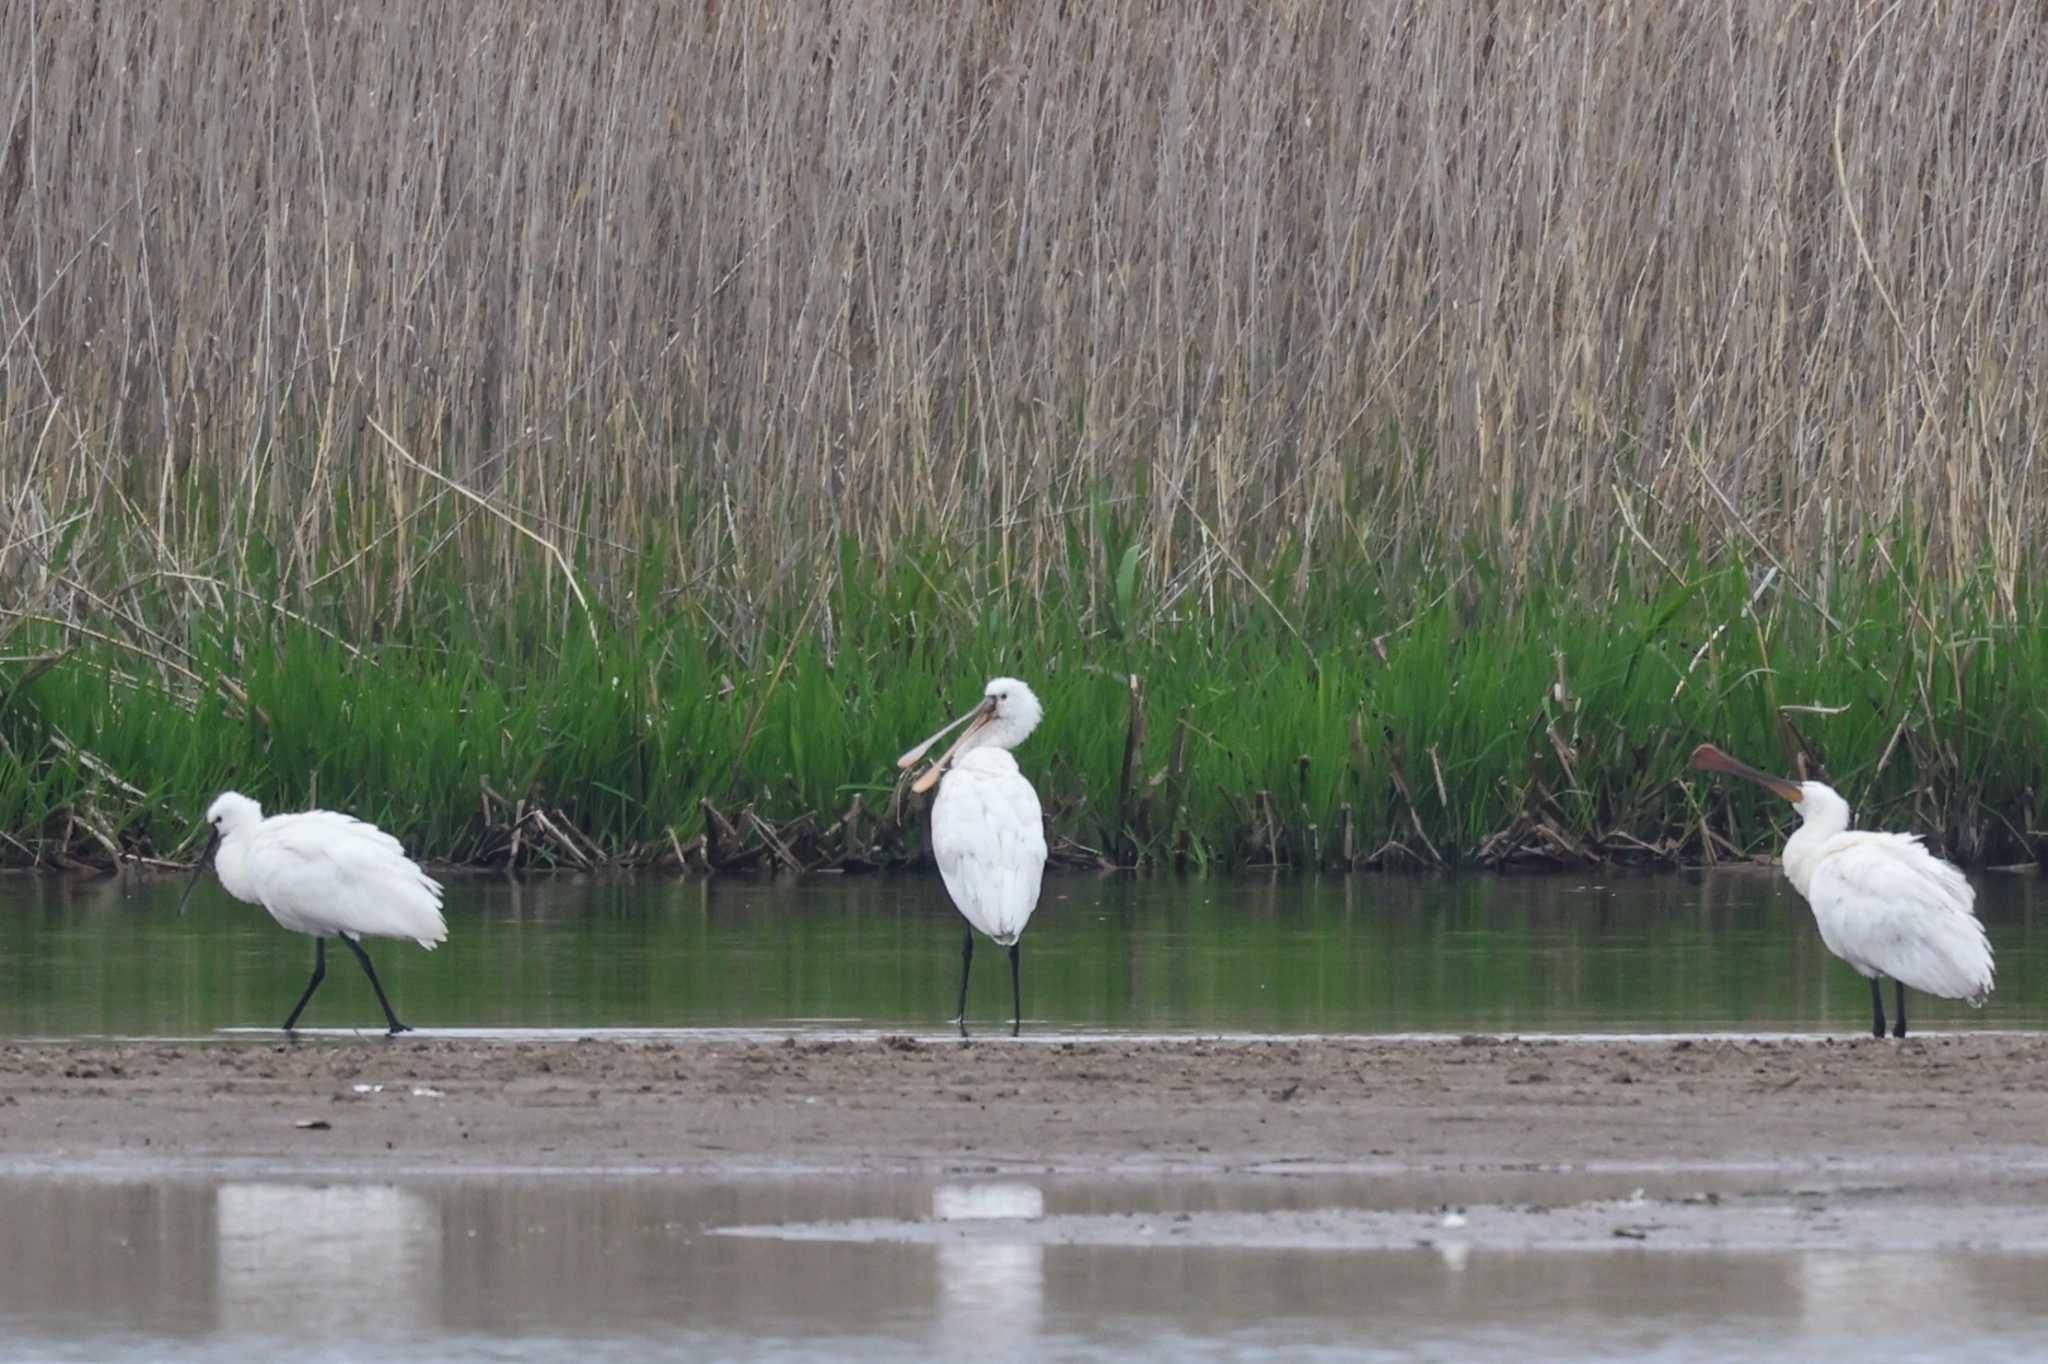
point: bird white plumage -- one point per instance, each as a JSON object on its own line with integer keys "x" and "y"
{"x": 988, "y": 837}
{"x": 325, "y": 874}
{"x": 988, "y": 832}
{"x": 321, "y": 872}
{"x": 1889, "y": 907}
{"x": 1883, "y": 903}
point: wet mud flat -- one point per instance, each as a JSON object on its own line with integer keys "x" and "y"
{"x": 1940, "y": 1140}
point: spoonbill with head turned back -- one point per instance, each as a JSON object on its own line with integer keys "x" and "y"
{"x": 1885, "y": 904}
{"x": 326, "y": 874}
{"x": 988, "y": 834}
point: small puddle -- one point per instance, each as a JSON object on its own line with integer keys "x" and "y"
{"x": 996, "y": 1267}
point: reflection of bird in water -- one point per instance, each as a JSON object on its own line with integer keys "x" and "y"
{"x": 990, "y": 1292}
{"x": 326, "y": 1263}
{"x": 1889, "y": 1297}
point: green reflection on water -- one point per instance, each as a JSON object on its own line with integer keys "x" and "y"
{"x": 1355, "y": 954}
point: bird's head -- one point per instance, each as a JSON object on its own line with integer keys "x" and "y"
{"x": 230, "y": 811}
{"x": 1822, "y": 805}
{"x": 1006, "y": 715}
{"x": 1013, "y": 712}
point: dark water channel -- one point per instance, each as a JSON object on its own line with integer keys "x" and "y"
{"x": 1664, "y": 953}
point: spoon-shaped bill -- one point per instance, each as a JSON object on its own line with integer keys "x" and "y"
{"x": 1712, "y": 759}
{"x": 909, "y": 760}
{"x": 978, "y": 717}
{"x": 199, "y": 868}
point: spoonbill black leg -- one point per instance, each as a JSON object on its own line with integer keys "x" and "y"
{"x": 319, "y": 974}
{"x": 966, "y": 959}
{"x": 375, "y": 984}
{"x": 1899, "y": 1000}
{"x": 1876, "y": 1008}
{"x": 1016, "y": 996}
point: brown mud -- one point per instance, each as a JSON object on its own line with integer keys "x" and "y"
{"x": 1933, "y": 1110}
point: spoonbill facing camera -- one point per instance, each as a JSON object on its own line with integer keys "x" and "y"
{"x": 988, "y": 833}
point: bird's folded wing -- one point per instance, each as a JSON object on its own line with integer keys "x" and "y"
{"x": 1886, "y": 903}
{"x": 324, "y": 872}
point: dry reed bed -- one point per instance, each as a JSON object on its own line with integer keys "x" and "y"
{"x": 737, "y": 278}
{"x": 304, "y": 309}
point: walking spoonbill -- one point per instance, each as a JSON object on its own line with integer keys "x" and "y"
{"x": 326, "y": 874}
{"x": 1885, "y": 904}
{"x": 988, "y": 834}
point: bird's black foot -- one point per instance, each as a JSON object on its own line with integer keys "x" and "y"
{"x": 1899, "y": 1029}
{"x": 398, "y": 1027}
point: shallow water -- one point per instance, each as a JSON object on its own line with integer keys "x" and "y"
{"x": 522, "y": 1268}
{"x": 1632, "y": 953}
{"x": 518, "y": 1270}
{"x": 1115, "y": 953}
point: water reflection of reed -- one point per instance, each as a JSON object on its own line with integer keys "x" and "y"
{"x": 607, "y": 1255}
{"x": 135, "y": 1257}
{"x": 1386, "y": 953}
{"x": 613, "y": 1260}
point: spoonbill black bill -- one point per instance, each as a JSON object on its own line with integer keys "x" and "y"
{"x": 1885, "y": 904}
{"x": 988, "y": 833}
{"x": 323, "y": 873}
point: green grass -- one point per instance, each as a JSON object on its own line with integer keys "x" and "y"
{"x": 1457, "y": 717}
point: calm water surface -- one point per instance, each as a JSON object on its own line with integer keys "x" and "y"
{"x": 593, "y": 1269}
{"x": 525, "y": 1270}
{"x": 1678, "y": 952}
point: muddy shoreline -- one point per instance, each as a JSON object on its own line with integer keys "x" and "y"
{"x": 1856, "y": 1144}
{"x": 1954, "y": 1105}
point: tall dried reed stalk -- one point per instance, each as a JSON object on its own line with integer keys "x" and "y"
{"x": 744, "y": 284}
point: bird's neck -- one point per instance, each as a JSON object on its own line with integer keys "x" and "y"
{"x": 985, "y": 758}
{"x": 1803, "y": 849}
{"x": 227, "y": 865}
{"x": 994, "y": 736}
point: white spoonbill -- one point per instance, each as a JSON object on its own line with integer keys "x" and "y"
{"x": 326, "y": 874}
{"x": 1885, "y": 904}
{"x": 988, "y": 834}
